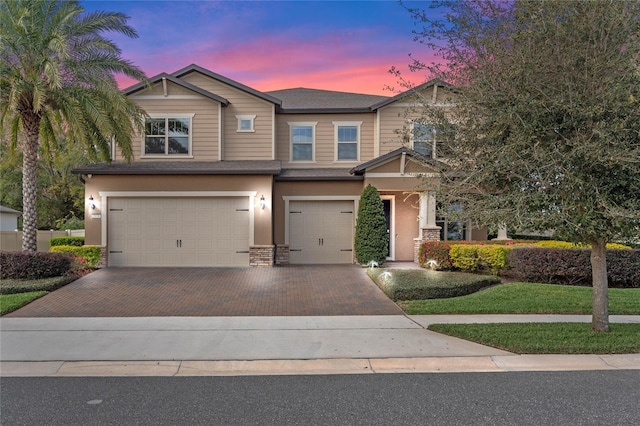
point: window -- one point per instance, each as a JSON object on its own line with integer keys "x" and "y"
{"x": 347, "y": 136}
{"x": 168, "y": 135}
{"x": 245, "y": 123}
{"x": 302, "y": 141}
{"x": 455, "y": 229}
{"x": 424, "y": 139}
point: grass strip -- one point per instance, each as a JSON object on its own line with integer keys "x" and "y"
{"x": 528, "y": 298}
{"x": 11, "y": 285}
{"x": 548, "y": 338}
{"x": 11, "y": 302}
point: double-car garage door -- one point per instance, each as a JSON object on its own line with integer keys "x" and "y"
{"x": 198, "y": 231}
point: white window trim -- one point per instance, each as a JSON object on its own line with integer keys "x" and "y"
{"x": 435, "y": 137}
{"x": 311, "y": 124}
{"x": 241, "y": 118}
{"x": 336, "y": 125}
{"x": 165, "y": 116}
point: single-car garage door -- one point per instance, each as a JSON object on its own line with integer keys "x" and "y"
{"x": 178, "y": 231}
{"x": 321, "y": 232}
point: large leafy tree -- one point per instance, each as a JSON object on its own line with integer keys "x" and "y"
{"x": 57, "y": 74}
{"x": 546, "y": 117}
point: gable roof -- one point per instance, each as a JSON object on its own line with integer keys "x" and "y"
{"x": 164, "y": 76}
{"x": 304, "y": 100}
{"x": 196, "y": 68}
{"x": 412, "y": 91}
{"x": 8, "y": 210}
{"x": 362, "y": 168}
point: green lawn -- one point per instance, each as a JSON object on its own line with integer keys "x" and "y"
{"x": 548, "y": 338}
{"x": 527, "y": 298}
{"x": 11, "y": 302}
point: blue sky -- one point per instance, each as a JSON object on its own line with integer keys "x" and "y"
{"x": 269, "y": 45}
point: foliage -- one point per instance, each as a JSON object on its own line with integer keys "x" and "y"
{"x": 371, "y": 240}
{"x": 57, "y": 76}
{"x": 415, "y": 284}
{"x": 546, "y": 135}
{"x": 547, "y": 338}
{"x": 566, "y": 244}
{"x": 572, "y": 266}
{"x": 66, "y": 241}
{"x": 11, "y": 302}
{"x": 70, "y": 222}
{"x": 527, "y": 298}
{"x": 11, "y": 285}
{"x": 435, "y": 255}
{"x": 34, "y": 265}
{"x": 91, "y": 254}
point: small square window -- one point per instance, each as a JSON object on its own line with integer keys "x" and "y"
{"x": 246, "y": 123}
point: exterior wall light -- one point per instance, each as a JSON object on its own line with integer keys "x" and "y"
{"x": 263, "y": 202}
{"x": 92, "y": 205}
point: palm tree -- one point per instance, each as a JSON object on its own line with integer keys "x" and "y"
{"x": 57, "y": 73}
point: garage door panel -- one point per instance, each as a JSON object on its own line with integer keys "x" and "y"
{"x": 178, "y": 231}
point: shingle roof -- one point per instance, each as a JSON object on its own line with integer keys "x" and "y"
{"x": 410, "y": 92}
{"x": 247, "y": 167}
{"x": 361, "y": 168}
{"x": 315, "y": 174}
{"x": 4, "y": 209}
{"x": 314, "y": 100}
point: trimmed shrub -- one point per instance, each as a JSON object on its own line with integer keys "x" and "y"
{"x": 372, "y": 240}
{"x": 568, "y": 245}
{"x": 12, "y": 286}
{"x": 408, "y": 284}
{"x": 465, "y": 257}
{"x": 493, "y": 258}
{"x": 483, "y": 258}
{"x": 437, "y": 251}
{"x": 573, "y": 266}
{"x": 28, "y": 265}
{"x": 91, "y": 254}
{"x": 66, "y": 241}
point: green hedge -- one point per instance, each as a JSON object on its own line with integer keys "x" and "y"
{"x": 12, "y": 286}
{"x": 414, "y": 284}
{"x": 66, "y": 241}
{"x": 89, "y": 253}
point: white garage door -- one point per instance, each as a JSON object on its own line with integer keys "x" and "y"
{"x": 178, "y": 231}
{"x": 321, "y": 232}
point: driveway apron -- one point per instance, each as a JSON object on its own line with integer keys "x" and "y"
{"x": 323, "y": 290}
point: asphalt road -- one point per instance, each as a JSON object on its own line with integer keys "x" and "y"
{"x": 517, "y": 398}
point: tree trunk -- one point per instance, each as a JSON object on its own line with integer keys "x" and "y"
{"x": 600, "y": 318}
{"x": 31, "y": 124}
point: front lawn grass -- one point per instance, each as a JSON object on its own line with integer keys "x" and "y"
{"x": 11, "y": 302}
{"x": 527, "y": 298}
{"x": 548, "y": 338}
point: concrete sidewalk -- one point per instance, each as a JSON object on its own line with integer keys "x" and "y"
{"x": 269, "y": 345}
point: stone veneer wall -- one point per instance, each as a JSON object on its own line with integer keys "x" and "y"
{"x": 282, "y": 255}
{"x": 428, "y": 234}
{"x": 261, "y": 255}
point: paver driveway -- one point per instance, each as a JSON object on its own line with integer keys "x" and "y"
{"x": 283, "y": 291}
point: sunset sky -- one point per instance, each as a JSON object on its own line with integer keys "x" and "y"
{"x": 268, "y": 45}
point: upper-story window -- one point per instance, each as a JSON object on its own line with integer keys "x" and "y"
{"x": 169, "y": 135}
{"x": 246, "y": 123}
{"x": 424, "y": 139}
{"x": 347, "y": 136}
{"x": 303, "y": 137}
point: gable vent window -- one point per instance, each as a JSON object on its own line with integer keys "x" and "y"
{"x": 246, "y": 123}
{"x": 169, "y": 135}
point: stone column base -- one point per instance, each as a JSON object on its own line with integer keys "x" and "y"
{"x": 261, "y": 255}
{"x": 282, "y": 255}
{"x": 427, "y": 234}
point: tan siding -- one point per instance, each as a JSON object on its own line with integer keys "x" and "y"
{"x": 325, "y": 139}
{"x": 239, "y": 145}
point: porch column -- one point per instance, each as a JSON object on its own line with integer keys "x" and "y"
{"x": 429, "y": 231}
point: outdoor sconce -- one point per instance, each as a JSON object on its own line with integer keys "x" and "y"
{"x": 92, "y": 206}
{"x": 262, "y": 202}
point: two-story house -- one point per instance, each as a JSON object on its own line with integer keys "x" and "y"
{"x": 225, "y": 175}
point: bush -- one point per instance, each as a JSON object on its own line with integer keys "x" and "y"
{"x": 12, "y": 286}
{"x": 408, "y": 284}
{"x": 66, "y": 241}
{"x": 91, "y": 254}
{"x": 573, "y": 266}
{"x": 568, "y": 245}
{"x": 483, "y": 258}
{"x": 437, "y": 251}
{"x": 28, "y": 265}
{"x": 465, "y": 257}
{"x": 372, "y": 239}
{"x": 493, "y": 258}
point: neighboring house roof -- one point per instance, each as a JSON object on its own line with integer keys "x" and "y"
{"x": 303, "y": 100}
{"x": 362, "y": 168}
{"x": 412, "y": 91}
{"x": 7, "y": 210}
{"x": 158, "y": 78}
{"x": 196, "y": 68}
{"x": 316, "y": 174}
{"x": 245, "y": 167}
